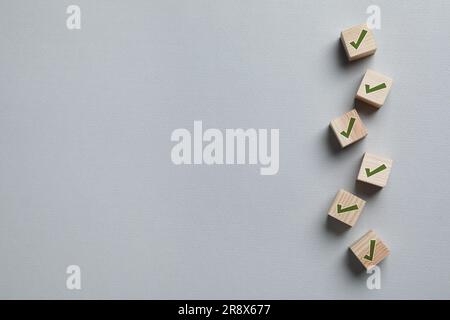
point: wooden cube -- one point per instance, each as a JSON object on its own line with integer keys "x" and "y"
{"x": 374, "y": 88}
{"x": 358, "y": 42}
{"x": 348, "y": 128}
{"x": 346, "y": 207}
{"x": 370, "y": 250}
{"x": 375, "y": 170}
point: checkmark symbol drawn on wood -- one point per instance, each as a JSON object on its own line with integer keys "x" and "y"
{"x": 370, "y": 173}
{"x": 376, "y": 88}
{"x": 371, "y": 250}
{"x": 343, "y": 210}
{"x": 349, "y": 128}
{"x": 360, "y": 39}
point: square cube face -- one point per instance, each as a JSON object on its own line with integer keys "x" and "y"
{"x": 346, "y": 207}
{"x": 348, "y": 128}
{"x": 358, "y": 42}
{"x": 375, "y": 170}
{"x": 374, "y": 88}
{"x": 370, "y": 250}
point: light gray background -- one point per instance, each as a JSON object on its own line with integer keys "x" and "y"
{"x": 85, "y": 170}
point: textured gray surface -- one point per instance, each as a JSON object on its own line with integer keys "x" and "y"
{"x": 85, "y": 170}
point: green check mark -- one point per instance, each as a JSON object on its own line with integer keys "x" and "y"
{"x": 349, "y": 128}
{"x": 376, "y": 88}
{"x": 370, "y": 173}
{"x": 343, "y": 210}
{"x": 371, "y": 250}
{"x": 360, "y": 39}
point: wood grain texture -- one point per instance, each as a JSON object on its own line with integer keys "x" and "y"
{"x": 346, "y": 199}
{"x": 373, "y": 79}
{"x": 372, "y": 162}
{"x": 341, "y": 124}
{"x": 367, "y": 46}
{"x": 361, "y": 249}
